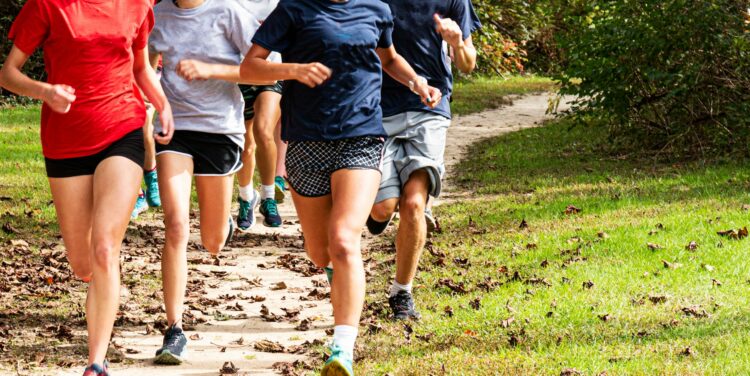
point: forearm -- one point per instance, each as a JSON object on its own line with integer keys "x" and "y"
{"x": 255, "y": 70}
{"x": 465, "y": 57}
{"x": 146, "y": 80}
{"x": 15, "y": 81}
{"x": 231, "y": 73}
{"x": 400, "y": 70}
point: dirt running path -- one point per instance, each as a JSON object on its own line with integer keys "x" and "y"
{"x": 249, "y": 271}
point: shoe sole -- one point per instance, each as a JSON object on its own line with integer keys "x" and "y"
{"x": 169, "y": 359}
{"x": 431, "y": 224}
{"x": 278, "y": 193}
{"x": 271, "y": 224}
{"x": 335, "y": 368}
{"x": 136, "y": 213}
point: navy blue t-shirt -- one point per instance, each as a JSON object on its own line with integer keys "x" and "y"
{"x": 343, "y": 37}
{"x": 416, "y": 39}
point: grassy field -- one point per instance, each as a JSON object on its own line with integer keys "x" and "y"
{"x": 482, "y": 93}
{"x": 570, "y": 258}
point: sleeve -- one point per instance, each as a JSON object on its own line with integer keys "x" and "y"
{"x": 141, "y": 39}
{"x": 31, "y": 27}
{"x": 244, "y": 25}
{"x": 476, "y": 24}
{"x": 386, "y": 30}
{"x": 277, "y": 31}
{"x": 462, "y": 12}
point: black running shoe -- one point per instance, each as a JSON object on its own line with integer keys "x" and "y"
{"x": 402, "y": 305}
{"x": 375, "y": 227}
{"x": 173, "y": 350}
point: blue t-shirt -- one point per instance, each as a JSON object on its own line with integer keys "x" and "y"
{"x": 343, "y": 37}
{"x": 416, "y": 39}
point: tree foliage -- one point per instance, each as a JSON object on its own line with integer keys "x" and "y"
{"x": 667, "y": 75}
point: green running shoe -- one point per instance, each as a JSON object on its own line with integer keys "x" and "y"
{"x": 140, "y": 206}
{"x": 270, "y": 211}
{"x": 329, "y": 274}
{"x": 152, "y": 189}
{"x": 338, "y": 364}
{"x": 279, "y": 187}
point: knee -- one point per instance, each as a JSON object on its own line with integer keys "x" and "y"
{"x": 106, "y": 256}
{"x": 81, "y": 269}
{"x": 318, "y": 254}
{"x": 383, "y": 210}
{"x": 213, "y": 243}
{"x": 412, "y": 208}
{"x": 176, "y": 230}
{"x": 265, "y": 137}
{"x": 344, "y": 247}
{"x": 249, "y": 151}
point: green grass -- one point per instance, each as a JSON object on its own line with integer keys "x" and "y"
{"x": 533, "y": 175}
{"x": 26, "y": 202}
{"x": 481, "y": 93}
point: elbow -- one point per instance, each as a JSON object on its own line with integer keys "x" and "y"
{"x": 468, "y": 68}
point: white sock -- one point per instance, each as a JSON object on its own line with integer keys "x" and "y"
{"x": 267, "y": 191}
{"x": 344, "y": 337}
{"x": 246, "y": 192}
{"x": 396, "y": 287}
{"x": 330, "y": 265}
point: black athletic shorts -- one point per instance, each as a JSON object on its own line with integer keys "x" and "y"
{"x": 129, "y": 146}
{"x": 310, "y": 164}
{"x": 213, "y": 154}
{"x": 251, "y": 92}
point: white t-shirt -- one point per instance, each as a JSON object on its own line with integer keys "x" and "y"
{"x": 261, "y": 9}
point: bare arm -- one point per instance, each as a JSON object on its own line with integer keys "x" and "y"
{"x": 463, "y": 52}
{"x": 57, "y": 97}
{"x": 398, "y": 68}
{"x": 198, "y": 70}
{"x": 146, "y": 79}
{"x": 255, "y": 68}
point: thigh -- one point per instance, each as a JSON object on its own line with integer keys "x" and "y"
{"x": 74, "y": 201}
{"x": 214, "y": 202}
{"x": 267, "y": 112}
{"x": 352, "y": 194}
{"x": 426, "y": 136}
{"x": 175, "y": 174}
{"x": 116, "y": 184}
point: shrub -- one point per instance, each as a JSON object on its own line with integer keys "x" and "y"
{"x": 669, "y": 75}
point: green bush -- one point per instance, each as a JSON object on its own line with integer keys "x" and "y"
{"x": 668, "y": 75}
{"x": 34, "y": 66}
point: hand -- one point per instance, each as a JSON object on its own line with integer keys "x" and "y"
{"x": 449, "y": 30}
{"x": 312, "y": 74}
{"x": 59, "y": 98}
{"x": 430, "y": 96}
{"x": 194, "y": 70}
{"x": 167, "y": 126}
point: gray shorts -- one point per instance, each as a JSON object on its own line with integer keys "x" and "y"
{"x": 416, "y": 140}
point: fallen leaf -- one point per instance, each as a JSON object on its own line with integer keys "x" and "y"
{"x": 524, "y": 224}
{"x": 571, "y": 210}
{"x": 279, "y": 286}
{"x": 716, "y": 282}
{"x": 476, "y": 303}
{"x": 195, "y": 337}
{"x": 588, "y": 284}
{"x": 228, "y": 369}
{"x": 570, "y": 372}
{"x": 734, "y": 234}
{"x": 506, "y": 323}
{"x": 688, "y": 351}
{"x": 448, "y": 311}
{"x": 692, "y": 246}
{"x": 269, "y": 346}
{"x": 695, "y": 311}
{"x": 653, "y": 246}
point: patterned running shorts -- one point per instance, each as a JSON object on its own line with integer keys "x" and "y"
{"x": 310, "y": 164}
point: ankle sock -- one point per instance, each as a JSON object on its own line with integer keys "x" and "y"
{"x": 344, "y": 337}
{"x": 246, "y": 192}
{"x": 396, "y": 287}
{"x": 267, "y": 191}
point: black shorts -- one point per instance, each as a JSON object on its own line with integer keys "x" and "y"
{"x": 129, "y": 146}
{"x": 251, "y": 92}
{"x": 310, "y": 164}
{"x": 213, "y": 154}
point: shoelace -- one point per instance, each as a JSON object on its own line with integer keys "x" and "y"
{"x": 270, "y": 207}
{"x": 402, "y": 302}
{"x": 172, "y": 339}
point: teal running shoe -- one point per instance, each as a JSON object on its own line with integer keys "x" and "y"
{"x": 338, "y": 364}
{"x": 152, "y": 189}
{"x": 140, "y": 206}
{"x": 279, "y": 187}
{"x": 329, "y": 274}
{"x": 270, "y": 211}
